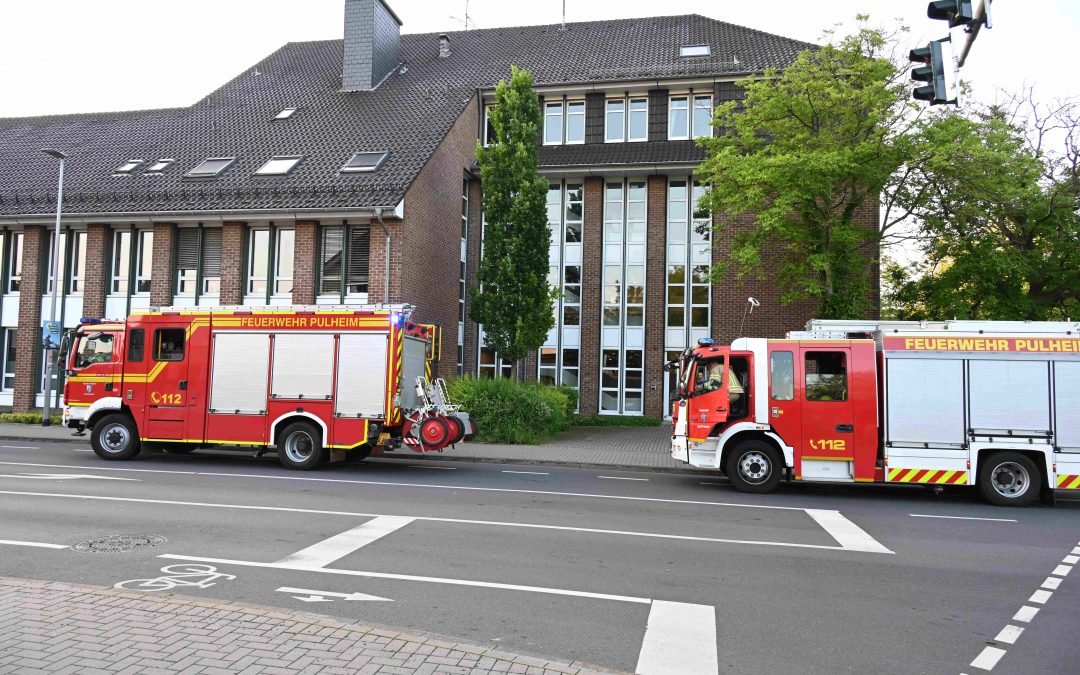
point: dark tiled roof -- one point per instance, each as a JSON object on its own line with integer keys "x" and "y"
{"x": 407, "y": 115}
{"x": 599, "y": 154}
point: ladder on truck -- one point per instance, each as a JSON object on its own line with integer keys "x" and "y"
{"x": 839, "y": 329}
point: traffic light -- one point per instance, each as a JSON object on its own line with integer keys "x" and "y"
{"x": 938, "y": 71}
{"x": 956, "y": 12}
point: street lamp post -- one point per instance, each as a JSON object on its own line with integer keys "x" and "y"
{"x": 49, "y": 361}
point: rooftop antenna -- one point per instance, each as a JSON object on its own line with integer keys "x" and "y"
{"x": 751, "y": 303}
{"x": 467, "y": 22}
{"x": 563, "y": 26}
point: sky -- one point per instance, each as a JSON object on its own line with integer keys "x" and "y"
{"x": 66, "y": 56}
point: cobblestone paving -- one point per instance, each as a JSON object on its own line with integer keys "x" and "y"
{"x": 58, "y": 627}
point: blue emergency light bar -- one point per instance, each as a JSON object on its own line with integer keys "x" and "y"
{"x": 89, "y": 321}
{"x": 706, "y": 342}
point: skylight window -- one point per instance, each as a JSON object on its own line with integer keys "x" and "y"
{"x": 128, "y": 166}
{"x": 160, "y": 165}
{"x": 364, "y": 162}
{"x": 211, "y": 167}
{"x": 285, "y": 114}
{"x": 694, "y": 50}
{"x": 279, "y": 166}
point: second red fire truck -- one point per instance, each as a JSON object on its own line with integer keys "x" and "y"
{"x": 314, "y": 382}
{"x": 990, "y": 404}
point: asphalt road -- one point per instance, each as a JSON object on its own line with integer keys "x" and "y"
{"x": 608, "y": 567}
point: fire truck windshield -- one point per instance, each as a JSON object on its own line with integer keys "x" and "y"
{"x": 93, "y": 348}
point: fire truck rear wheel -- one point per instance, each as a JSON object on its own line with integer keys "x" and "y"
{"x": 300, "y": 447}
{"x": 435, "y": 433}
{"x": 1009, "y": 479}
{"x": 457, "y": 429}
{"x": 115, "y": 437}
{"x": 753, "y": 466}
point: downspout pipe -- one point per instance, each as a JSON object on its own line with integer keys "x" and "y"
{"x": 386, "y": 269}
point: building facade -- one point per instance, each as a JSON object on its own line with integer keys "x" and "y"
{"x": 343, "y": 171}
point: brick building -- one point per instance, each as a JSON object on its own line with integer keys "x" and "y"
{"x": 294, "y": 182}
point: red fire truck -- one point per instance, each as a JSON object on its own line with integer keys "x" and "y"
{"x": 314, "y": 382}
{"x": 993, "y": 404}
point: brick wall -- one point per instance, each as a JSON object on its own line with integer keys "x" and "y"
{"x": 28, "y": 335}
{"x": 162, "y": 272}
{"x": 97, "y": 262}
{"x": 377, "y": 261}
{"x": 304, "y": 252}
{"x": 431, "y": 233}
{"x": 232, "y": 263}
{"x": 655, "y": 271}
{"x": 472, "y": 265}
{"x": 592, "y": 243}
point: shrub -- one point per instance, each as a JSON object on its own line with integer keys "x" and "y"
{"x": 614, "y": 421}
{"x": 507, "y": 411}
{"x": 26, "y": 418}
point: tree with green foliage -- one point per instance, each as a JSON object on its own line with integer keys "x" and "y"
{"x": 806, "y": 151}
{"x": 513, "y": 301}
{"x": 997, "y": 198}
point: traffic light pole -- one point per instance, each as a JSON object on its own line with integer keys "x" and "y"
{"x": 981, "y": 17}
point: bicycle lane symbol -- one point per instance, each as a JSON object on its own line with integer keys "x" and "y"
{"x": 177, "y": 576}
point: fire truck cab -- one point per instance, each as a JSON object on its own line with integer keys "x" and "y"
{"x": 314, "y": 382}
{"x": 994, "y": 405}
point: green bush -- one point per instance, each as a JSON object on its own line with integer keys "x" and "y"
{"x": 26, "y": 418}
{"x": 614, "y": 421}
{"x": 507, "y": 411}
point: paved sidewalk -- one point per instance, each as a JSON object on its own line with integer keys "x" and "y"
{"x": 622, "y": 447}
{"x": 68, "y": 628}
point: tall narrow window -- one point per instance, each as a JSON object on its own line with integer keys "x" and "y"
{"x": 9, "y": 358}
{"x": 145, "y": 261}
{"x": 462, "y": 276}
{"x": 359, "y": 258}
{"x": 15, "y": 262}
{"x": 62, "y": 259}
{"x": 258, "y": 261}
{"x": 623, "y": 299}
{"x": 283, "y": 262}
{"x": 187, "y": 261}
{"x": 198, "y": 257}
{"x": 575, "y": 122}
{"x": 489, "y": 128}
{"x": 344, "y": 260}
{"x": 270, "y": 262}
{"x": 638, "y": 122}
{"x": 121, "y": 262}
{"x": 331, "y": 254}
{"x": 76, "y": 280}
{"x": 614, "y": 120}
{"x": 678, "y": 118}
{"x": 702, "y": 116}
{"x": 553, "y": 123}
{"x": 211, "y": 261}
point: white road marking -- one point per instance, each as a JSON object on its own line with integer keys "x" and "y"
{"x": 622, "y": 478}
{"x": 340, "y": 545}
{"x": 1009, "y": 634}
{"x": 1051, "y": 583}
{"x": 988, "y": 658}
{"x": 1076, "y": 551}
{"x": 532, "y": 473}
{"x": 411, "y": 577}
{"x": 1040, "y": 597}
{"x": 1070, "y": 560}
{"x": 324, "y": 596}
{"x": 83, "y": 450}
{"x": 995, "y": 520}
{"x": 680, "y": 639}
{"x": 712, "y": 482}
{"x": 564, "y": 528}
{"x": 11, "y": 542}
{"x": 20, "y": 447}
{"x": 1062, "y": 570}
{"x": 850, "y": 536}
{"x": 63, "y": 476}
{"x": 1026, "y": 614}
{"x": 440, "y": 468}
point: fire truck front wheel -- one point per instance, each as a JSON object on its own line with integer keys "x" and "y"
{"x": 1009, "y": 479}
{"x": 300, "y": 447}
{"x": 753, "y": 466}
{"x": 115, "y": 437}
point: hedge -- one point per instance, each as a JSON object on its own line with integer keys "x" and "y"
{"x": 508, "y": 411}
{"x": 26, "y": 418}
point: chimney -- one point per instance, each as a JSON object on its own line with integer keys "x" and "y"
{"x": 444, "y": 45}
{"x": 372, "y": 32}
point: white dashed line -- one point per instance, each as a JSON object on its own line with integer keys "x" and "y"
{"x": 1009, "y": 634}
{"x": 38, "y": 544}
{"x": 996, "y": 520}
{"x": 711, "y": 482}
{"x": 531, "y": 473}
{"x": 1062, "y": 570}
{"x": 1040, "y": 597}
{"x": 988, "y": 658}
{"x": 83, "y": 450}
{"x": 621, "y": 478}
{"x": 440, "y": 468}
{"x": 1070, "y": 560}
{"x": 1051, "y": 583}
{"x": 1026, "y": 614}
{"x": 20, "y": 447}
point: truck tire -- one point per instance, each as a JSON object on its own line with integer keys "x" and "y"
{"x": 754, "y": 466}
{"x": 457, "y": 429}
{"x": 1009, "y": 479}
{"x": 115, "y": 437}
{"x": 300, "y": 447}
{"x": 434, "y": 433}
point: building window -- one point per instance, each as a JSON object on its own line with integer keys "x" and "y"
{"x": 689, "y": 258}
{"x": 211, "y": 167}
{"x": 489, "y": 128}
{"x": 131, "y": 268}
{"x": 575, "y": 122}
{"x": 15, "y": 261}
{"x": 343, "y": 260}
{"x": 144, "y": 262}
{"x": 72, "y": 261}
{"x": 284, "y": 251}
{"x": 694, "y": 50}
{"x": 564, "y": 122}
{"x": 285, "y": 114}
{"x": 198, "y": 261}
{"x": 127, "y": 167}
{"x": 48, "y": 252}
{"x": 678, "y": 118}
{"x": 626, "y": 119}
{"x": 488, "y": 362}
{"x": 270, "y": 248}
{"x": 364, "y": 162}
{"x": 553, "y": 123}
{"x": 159, "y": 166}
{"x": 462, "y": 267}
{"x": 279, "y": 166}
{"x": 559, "y": 357}
{"x": 77, "y": 256}
{"x": 702, "y": 116}
{"x": 9, "y": 359}
{"x": 623, "y": 299}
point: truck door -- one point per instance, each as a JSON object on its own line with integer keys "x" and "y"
{"x": 828, "y": 424}
{"x": 93, "y": 368}
{"x": 707, "y": 402}
{"x": 167, "y": 395}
